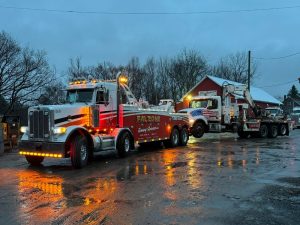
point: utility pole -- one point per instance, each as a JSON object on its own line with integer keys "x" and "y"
{"x": 249, "y": 69}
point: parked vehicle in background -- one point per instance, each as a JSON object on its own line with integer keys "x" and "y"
{"x": 295, "y": 116}
{"x": 209, "y": 112}
{"x": 274, "y": 112}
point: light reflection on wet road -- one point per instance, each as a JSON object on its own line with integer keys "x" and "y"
{"x": 211, "y": 181}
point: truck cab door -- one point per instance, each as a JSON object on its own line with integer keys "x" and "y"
{"x": 214, "y": 106}
{"x": 104, "y": 107}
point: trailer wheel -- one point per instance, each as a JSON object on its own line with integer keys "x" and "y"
{"x": 34, "y": 160}
{"x": 198, "y": 129}
{"x": 79, "y": 152}
{"x": 184, "y": 137}
{"x": 174, "y": 139}
{"x": 282, "y": 129}
{"x": 273, "y": 132}
{"x": 123, "y": 144}
{"x": 263, "y": 131}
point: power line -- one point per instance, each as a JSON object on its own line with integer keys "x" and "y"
{"x": 279, "y": 84}
{"x": 281, "y": 57}
{"x": 151, "y": 13}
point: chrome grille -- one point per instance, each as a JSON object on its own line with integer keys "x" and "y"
{"x": 39, "y": 124}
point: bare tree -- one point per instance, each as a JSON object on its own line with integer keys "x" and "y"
{"x": 150, "y": 87}
{"x": 163, "y": 78}
{"x": 77, "y": 70}
{"x": 23, "y": 72}
{"x": 234, "y": 67}
{"x": 136, "y": 77}
{"x": 104, "y": 71}
{"x": 52, "y": 94}
{"x": 186, "y": 69}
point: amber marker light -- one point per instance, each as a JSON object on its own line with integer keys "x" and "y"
{"x": 189, "y": 97}
{"x": 41, "y": 154}
{"x": 123, "y": 80}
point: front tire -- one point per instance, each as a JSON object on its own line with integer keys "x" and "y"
{"x": 198, "y": 129}
{"x": 123, "y": 144}
{"x": 183, "y": 137}
{"x": 34, "y": 160}
{"x": 79, "y": 152}
{"x": 282, "y": 129}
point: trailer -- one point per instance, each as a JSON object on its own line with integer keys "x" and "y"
{"x": 98, "y": 116}
{"x": 209, "y": 112}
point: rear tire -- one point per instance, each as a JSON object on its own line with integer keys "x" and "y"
{"x": 273, "y": 132}
{"x": 263, "y": 131}
{"x": 183, "y": 137}
{"x": 282, "y": 130}
{"x": 34, "y": 160}
{"x": 174, "y": 139}
{"x": 79, "y": 152}
{"x": 123, "y": 144}
{"x": 198, "y": 129}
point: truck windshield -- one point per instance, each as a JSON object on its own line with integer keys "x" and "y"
{"x": 204, "y": 103}
{"x": 80, "y": 95}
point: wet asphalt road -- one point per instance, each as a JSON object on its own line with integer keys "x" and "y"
{"x": 218, "y": 179}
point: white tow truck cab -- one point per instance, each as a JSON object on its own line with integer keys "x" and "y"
{"x": 211, "y": 113}
{"x": 274, "y": 111}
{"x": 98, "y": 116}
{"x": 295, "y": 116}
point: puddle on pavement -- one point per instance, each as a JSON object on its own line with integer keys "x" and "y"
{"x": 133, "y": 170}
{"x": 76, "y": 200}
{"x": 233, "y": 163}
{"x": 295, "y": 181}
{"x": 175, "y": 165}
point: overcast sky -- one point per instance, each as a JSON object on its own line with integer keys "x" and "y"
{"x": 116, "y": 38}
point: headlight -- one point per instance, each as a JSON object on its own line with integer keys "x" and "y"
{"x": 23, "y": 129}
{"x": 191, "y": 121}
{"x": 59, "y": 130}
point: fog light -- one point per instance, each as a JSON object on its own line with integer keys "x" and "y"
{"x": 23, "y": 129}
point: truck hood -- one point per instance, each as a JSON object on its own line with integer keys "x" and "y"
{"x": 67, "y": 114}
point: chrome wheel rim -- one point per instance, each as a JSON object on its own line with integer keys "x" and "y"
{"x": 126, "y": 144}
{"x": 83, "y": 152}
{"x": 283, "y": 130}
{"x": 175, "y": 138}
{"x": 184, "y": 136}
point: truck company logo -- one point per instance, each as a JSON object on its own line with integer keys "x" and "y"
{"x": 148, "y": 119}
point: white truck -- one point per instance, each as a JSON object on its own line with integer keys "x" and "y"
{"x": 295, "y": 116}
{"x": 98, "y": 116}
{"x": 211, "y": 113}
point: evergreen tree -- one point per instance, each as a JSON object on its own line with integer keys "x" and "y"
{"x": 293, "y": 92}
